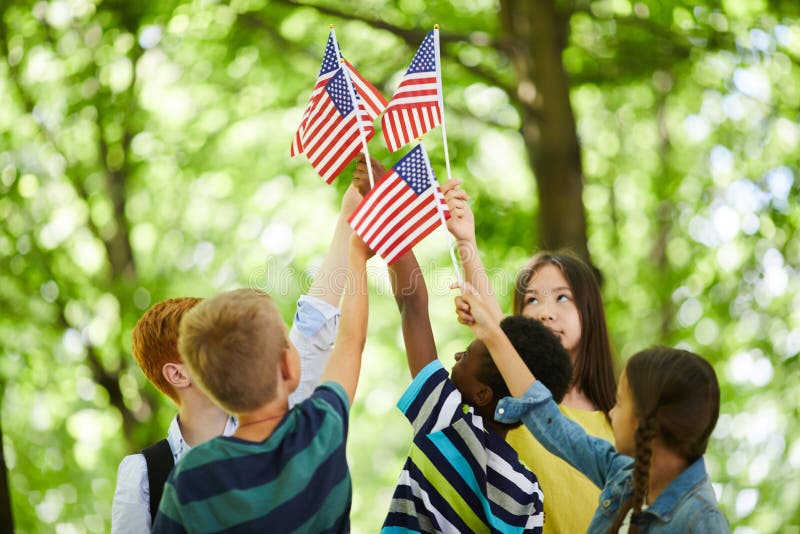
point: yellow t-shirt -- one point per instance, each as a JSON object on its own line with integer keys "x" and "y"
{"x": 570, "y": 499}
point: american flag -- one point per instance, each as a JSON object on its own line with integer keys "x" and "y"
{"x": 371, "y": 101}
{"x": 415, "y": 107}
{"x": 331, "y": 136}
{"x": 405, "y": 206}
{"x": 330, "y": 63}
{"x": 369, "y": 97}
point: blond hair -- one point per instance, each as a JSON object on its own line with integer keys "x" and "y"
{"x": 233, "y": 344}
{"x": 154, "y": 341}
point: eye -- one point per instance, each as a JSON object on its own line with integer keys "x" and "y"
{"x": 531, "y": 300}
{"x": 563, "y": 298}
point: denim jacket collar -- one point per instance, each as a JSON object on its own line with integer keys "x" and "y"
{"x": 664, "y": 506}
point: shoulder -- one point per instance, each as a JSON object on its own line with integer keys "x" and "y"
{"x": 132, "y": 474}
{"x": 699, "y": 511}
{"x": 329, "y": 394}
{"x": 431, "y": 380}
{"x": 702, "y": 519}
{"x": 327, "y": 409}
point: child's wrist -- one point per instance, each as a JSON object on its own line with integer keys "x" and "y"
{"x": 492, "y": 333}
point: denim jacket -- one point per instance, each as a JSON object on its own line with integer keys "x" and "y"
{"x": 688, "y": 504}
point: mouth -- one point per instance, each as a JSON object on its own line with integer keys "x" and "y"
{"x": 555, "y": 332}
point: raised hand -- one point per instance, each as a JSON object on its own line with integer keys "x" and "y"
{"x": 462, "y": 222}
{"x": 473, "y": 311}
{"x": 361, "y": 174}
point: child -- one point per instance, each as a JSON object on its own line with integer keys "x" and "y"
{"x": 667, "y": 406}
{"x": 141, "y": 477}
{"x": 561, "y": 291}
{"x": 461, "y": 475}
{"x": 283, "y": 470}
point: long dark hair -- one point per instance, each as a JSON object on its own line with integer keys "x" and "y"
{"x": 676, "y": 397}
{"x": 594, "y": 365}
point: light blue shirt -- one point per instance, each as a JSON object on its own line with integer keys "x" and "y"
{"x": 687, "y": 505}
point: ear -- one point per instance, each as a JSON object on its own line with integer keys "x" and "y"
{"x": 290, "y": 366}
{"x": 176, "y": 375}
{"x": 484, "y": 395}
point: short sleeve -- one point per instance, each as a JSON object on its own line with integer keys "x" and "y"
{"x": 329, "y": 399}
{"x": 431, "y": 402}
{"x": 130, "y": 509}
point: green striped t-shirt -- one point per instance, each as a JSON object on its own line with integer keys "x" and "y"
{"x": 296, "y": 480}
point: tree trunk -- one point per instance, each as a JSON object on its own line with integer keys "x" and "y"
{"x": 6, "y": 519}
{"x": 536, "y": 33}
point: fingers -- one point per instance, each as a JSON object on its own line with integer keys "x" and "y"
{"x": 463, "y": 312}
{"x": 467, "y": 291}
{"x": 456, "y": 194}
{"x": 451, "y": 184}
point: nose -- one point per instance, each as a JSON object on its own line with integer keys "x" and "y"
{"x": 545, "y": 313}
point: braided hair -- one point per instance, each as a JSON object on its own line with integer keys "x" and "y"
{"x": 676, "y": 397}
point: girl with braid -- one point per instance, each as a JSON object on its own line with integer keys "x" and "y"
{"x": 653, "y": 480}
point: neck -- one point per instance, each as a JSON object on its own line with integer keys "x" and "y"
{"x": 487, "y": 414}
{"x": 575, "y": 398}
{"x": 257, "y": 425}
{"x": 665, "y": 466}
{"x": 200, "y": 419}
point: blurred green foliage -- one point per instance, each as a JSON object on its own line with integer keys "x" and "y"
{"x": 144, "y": 155}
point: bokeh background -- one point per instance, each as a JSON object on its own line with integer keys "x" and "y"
{"x": 144, "y": 154}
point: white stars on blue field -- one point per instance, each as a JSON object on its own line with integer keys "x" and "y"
{"x": 339, "y": 93}
{"x": 413, "y": 169}
{"x": 329, "y": 60}
{"x": 425, "y": 58}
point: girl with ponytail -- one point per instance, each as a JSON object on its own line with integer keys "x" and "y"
{"x": 653, "y": 479}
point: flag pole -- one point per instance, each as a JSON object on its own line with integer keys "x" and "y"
{"x": 441, "y": 98}
{"x": 352, "y": 91}
{"x": 440, "y": 211}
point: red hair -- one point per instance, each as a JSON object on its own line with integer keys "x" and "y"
{"x": 155, "y": 340}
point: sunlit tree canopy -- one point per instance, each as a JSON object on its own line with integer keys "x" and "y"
{"x": 144, "y": 154}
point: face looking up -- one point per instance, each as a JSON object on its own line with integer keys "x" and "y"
{"x": 549, "y": 300}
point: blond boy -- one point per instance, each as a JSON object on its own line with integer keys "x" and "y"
{"x": 283, "y": 470}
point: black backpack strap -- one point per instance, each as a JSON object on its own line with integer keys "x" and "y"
{"x": 159, "y": 463}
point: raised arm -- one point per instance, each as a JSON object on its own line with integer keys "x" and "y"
{"x": 594, "y": 457}
{"x": 409, "y": 288}
{"x": 344, "y": 364}
{"x": 331, "y": 279}
{"x": 462, "y": 225}
{"x": 473, "y": 311}
{"x": 315, "y": 323}
{"x": 411, "y": 296}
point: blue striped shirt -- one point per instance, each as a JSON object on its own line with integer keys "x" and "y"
{"x": 296, "y": 480}
{"x": 460, "y": 476}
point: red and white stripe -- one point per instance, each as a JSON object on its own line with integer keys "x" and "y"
{"x": 413, "y": 110}
{"x": 297, "y": 142}
{"x": 392, "y": 218}
{"x": 329, "y": 141}
{"x": 372, "y": 99}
